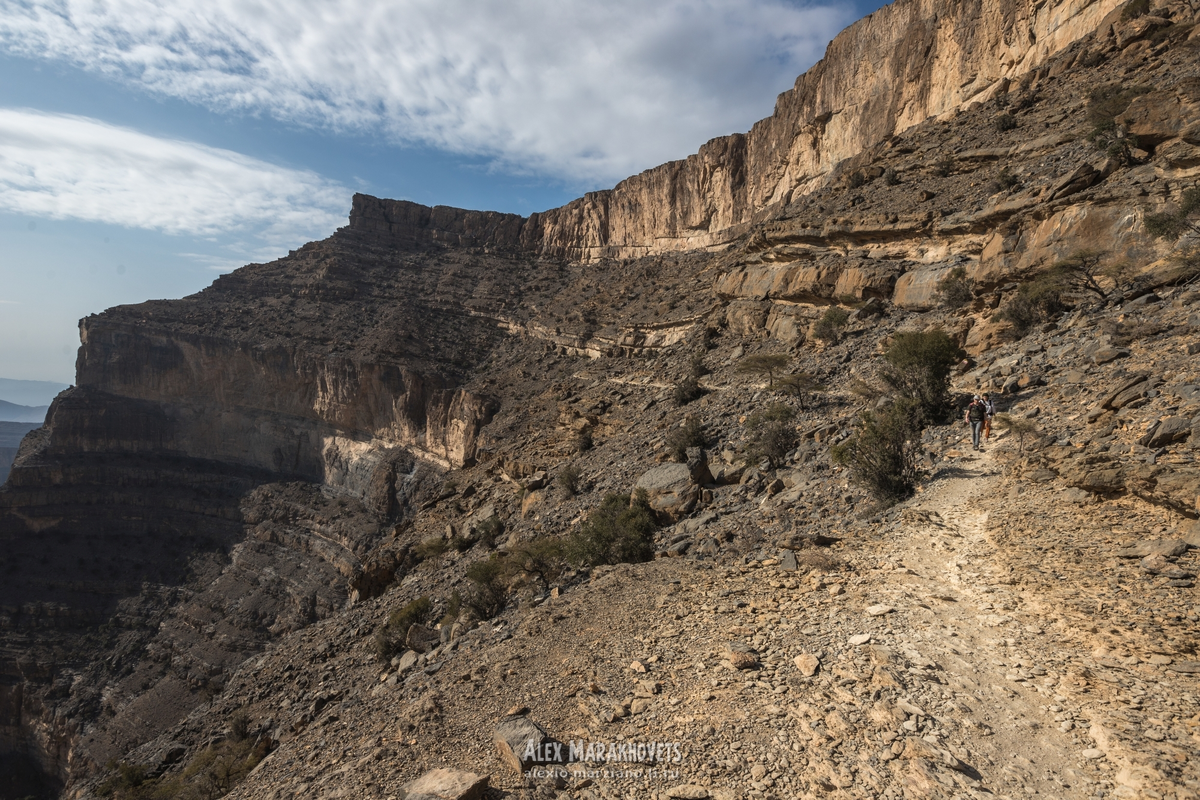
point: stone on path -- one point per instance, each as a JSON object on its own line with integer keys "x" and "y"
{"x": 808, "y": 664}
{"x": 447, "y": 784}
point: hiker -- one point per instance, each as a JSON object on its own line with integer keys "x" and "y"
{"x": 976, "y": 415}
{"x": 990, "y": 411}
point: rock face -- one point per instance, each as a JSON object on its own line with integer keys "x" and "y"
{"x": 927, "y": 59}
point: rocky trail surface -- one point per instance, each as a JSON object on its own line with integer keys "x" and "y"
{"x": 903, "y": 661}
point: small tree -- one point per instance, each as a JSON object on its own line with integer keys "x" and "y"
{"x": 772, "y": 435}
{"x": 918, "y": 369}
{"x": 763, "y": 364}
{"x": 1019, "y": 426}
{"x": 800, "y": 385}
{"x": 882, "y": 455}
{"x": 1078, "y": 272}
{"x": 829, "y": 326}
{"x": 955, "y": 289}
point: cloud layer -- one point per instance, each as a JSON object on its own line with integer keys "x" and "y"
{"x": 67, "y": 167}
{"x": 580, "y": 90}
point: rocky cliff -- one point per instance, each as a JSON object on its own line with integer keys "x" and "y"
{"x": 242, "y": 463}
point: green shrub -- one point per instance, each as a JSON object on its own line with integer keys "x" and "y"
{"x": 1003, "y": 182}
{"x": 917, "y": 368}
{"x": 487, "y": 593}
{"x": 541, "y": 557}
{"x": 956, "y": 290}
{"x": 689, "y": 434}
{"x": 1173, "y": 224}
{"x": 882, "y": 455}
{"x": 829, "y": 327}
{"x": 687, "y": 390}
{"x": 1019, "y": 426}
{"x": 891, "y": 177}
{"x": 568, "y": 480}
{"x": 490, "y": 529}
{"x": 1134, "y": 9}
{"x": 763, "y": 364}
{"x": 1115, "y": 141}
{"x": 391, "y": 637}
{"x": 772, "y": 435}
{"x": 621, "y": 530}
{"x": 453, "y": 611}
{"x": 1005, "y": 122}
{"x": 1077, "y": 274}
{"x": 1106, "y": 103}
{"x": 213, "y": 773}
{"x": 432, "y": 547}
{"x": 1036, "y": 302}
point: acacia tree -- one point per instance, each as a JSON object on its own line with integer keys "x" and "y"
{"x": 1078, "y": 273}
{"x": 763, "y": 364}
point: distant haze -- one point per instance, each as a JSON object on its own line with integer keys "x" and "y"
{"x": 28, "y": 393}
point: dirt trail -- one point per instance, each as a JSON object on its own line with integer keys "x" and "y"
{"x": 1007, "y": 703}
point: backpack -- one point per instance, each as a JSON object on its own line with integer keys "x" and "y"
{"x": 976, "y": 412}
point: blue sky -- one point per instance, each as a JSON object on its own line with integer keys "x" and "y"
{"x": 146, "y": 147}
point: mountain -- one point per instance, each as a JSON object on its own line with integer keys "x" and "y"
{"x": 11, "y": 412}
{"x": 214, "y": 547}
{"x": 30, "y": 393}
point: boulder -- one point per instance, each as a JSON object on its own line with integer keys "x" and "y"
{"x": 917, "y": 290}
{"x": 1170, "y": 431}
{"x": 671, "y": 491}
{"x": 808, "y": 664}
{"x": 1105, "y": 354}
{"x": 746, "y": 317}
{"x": 422, "y": 638}
{"x": 1164, "y": 114}
{"x": 524, "y": 744}
{"x": 1168, "y": 548}
{"x": 1179, "y": 154}
{"x": 1189, "y": 533}
{"x": 447, "y": 784}
{"x": 697, "y": 464}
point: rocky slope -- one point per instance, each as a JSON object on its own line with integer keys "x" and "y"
{"x": 225, "y": 509}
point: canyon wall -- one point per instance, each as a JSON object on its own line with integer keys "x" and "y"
{"x": 907, "y": 62}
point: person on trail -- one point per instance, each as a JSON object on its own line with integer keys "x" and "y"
{"x": 990, "y": 411}
{"x": 976, "y": 415}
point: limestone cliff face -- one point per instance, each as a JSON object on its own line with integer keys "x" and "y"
{"x": 907, "y": 62}
{"x": 276, "y": 408}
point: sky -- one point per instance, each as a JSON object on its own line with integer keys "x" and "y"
{"x": 146, "y": 147}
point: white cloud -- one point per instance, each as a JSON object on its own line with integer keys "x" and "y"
{"x": 579, "y": 89}
{"x": 68, "y": 167}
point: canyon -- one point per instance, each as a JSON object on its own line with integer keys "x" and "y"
{"x": 238, "y": 470}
